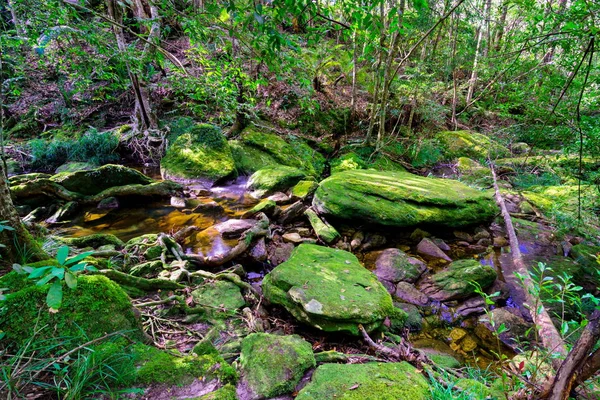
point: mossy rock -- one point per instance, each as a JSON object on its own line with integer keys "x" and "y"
{"x": 304, "y": 189}
{"x": 226, "y": 392}
{"x": 474, "y": 388}
{"x": 75, "y": 166}
{"x": 96, "y": 307}
{"x": 585, "y": 256}
{"x": 456, "y": 281}
{"x": 273, "y": 365}
{"x": 470, "y": 144}
{"x": 274, "y": 179}
{"x": 401, "y": 199}
{"x": 471, "y": 172}
{"x": 328, "y": 289}
{"x": 92, "y": 182}
{"x": 347, "y": 162}
{"x": 157, "y": 366}
{"x": 201, "y": 154}
{"x": 221, "y": 297}
{"x": 249, "y": 159}
{"x": 95, "y": 240}
{"x": 370, "y": 381}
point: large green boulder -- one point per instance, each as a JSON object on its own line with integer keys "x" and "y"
{"x": 401, "y": 199}
{"x": 200, "y": 154}
{"x": 91, "y": 182}
{"x": 257, "y": 149}
{"x": 328, "y": 289}
{"x": 96, "y": 307}
{"x": 222, "y": 297}
{"x": 459, "y": 280}
{"x": 370, "y": 381}
{"x": 273, "y": 365}
{"x": 474, "y": 145}
{"x": 274, "y": 178}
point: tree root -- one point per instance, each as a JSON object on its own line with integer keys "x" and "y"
{"x": 147, "y": 285}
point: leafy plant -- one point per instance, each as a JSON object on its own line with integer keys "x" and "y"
{"x": 5, "y": 227}
{"x": 66, "y": 271}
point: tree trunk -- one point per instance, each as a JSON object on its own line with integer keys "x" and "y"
{"x": 473, "y": 80}
{"x": 500, "y": 26}
{"x": 18, "y": 236}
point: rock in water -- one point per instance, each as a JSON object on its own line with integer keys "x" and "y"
{"x": 91, "y": 182}
{"x": 272, "y": 365}
{"x": 272, "y": 179}
{"x": 201, "y": 154}
{"x": 328, "y": 289}
{"x": 401, "y": 199}
{"x": 370, "y": 381}
{"x": 455, "y": 282}
{"x": 394, "y": 265}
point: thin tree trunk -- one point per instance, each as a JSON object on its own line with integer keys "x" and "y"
{"x": 354, "y": 68}
{"x": 501, "y": 26}
{"x": 546, "y": 330}
{"x": 473, "y": 80}
{"x": 15, "y": 18}
{"x": 375, "y": 107}
{"x": 488, "y": 34}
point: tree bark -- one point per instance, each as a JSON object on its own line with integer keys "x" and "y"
{"x": 473, "y": 80}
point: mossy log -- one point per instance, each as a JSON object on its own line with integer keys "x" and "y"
{"x": 140, "y": 283}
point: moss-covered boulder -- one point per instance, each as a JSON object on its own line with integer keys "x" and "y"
{"x": 200, "y": 154}
{"x": 95, "y": 240}
{"x": 370, "y": 381}
{"x": 272, "y": 365}
{"x": 328, "y": 289}
{"x": 401, "y": 199}
{"x": 347, "y": 162}
{"x": 470, "y": 144}
{"x": 96, "y": 307}
{"x": 258, "y": 149}
{"x": 220, "y": 297}
{"x": 304, "y": 189}
{"x": 456, "y": 281}
{"x": 75, "y": 166}
{"x": 155, "y": 366}
{"x": 94, "y": 181}
{"x": 273, "y": 179}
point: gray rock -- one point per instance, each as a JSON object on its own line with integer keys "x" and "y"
{"x": 177, "y": 202}
{"x": 395, "y": 265}
{"x": 430, "y": 251}
{"x": 65, "y": 212}
{"x": 109, "y": 203}
{"x": 409, "y": 294}
{"x": 456, "y": 281}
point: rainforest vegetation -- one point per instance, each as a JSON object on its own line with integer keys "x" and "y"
{"x": 294, "y": 199}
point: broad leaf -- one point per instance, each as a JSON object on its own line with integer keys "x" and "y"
{"x": 61, "y": 254}
{"x": 79, "y": 257}
{"x": 55, "y": 295}
{"x": 71, "y": 280}
{"x": 39, "y": 272}
{"x": 45, "y": 280}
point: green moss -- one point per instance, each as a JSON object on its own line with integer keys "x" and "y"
{"x": 444, "y": 360}
{"x": 249, "y": 159}
{"x": 221, "y": 298}
{"x": 275, "y": 178}
{"x": 328, "y": 289}
{"x": 325, "y": 232}
{"x": 456, "y": 281}
{"x": 202, "y": 153}
{"x": 402, "y": 199}
{"x": 304, "y": 189}
{"x": 227, "y": 392}
{"x": 96, "y": 240}
{"x": 371, "y": 381}
{"x": 273, "y": 365}
{"x": 346, "y": 162}
{"x": 96, "y": 307}
{"x": 94, "y": 181}
{"x": 470, "y": 144}
{"x": 153, "y": 252}
{"x": 157, "y": 366}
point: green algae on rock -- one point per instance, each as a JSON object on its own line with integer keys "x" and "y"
{"x": 370, "y": 381}
{"x": 201, "y": 154}
{"x": 273, "y": 179}
{"x": 401, "y": 199}
{"x": 96, "y": 307}
{"x": 470, "y": 144}
{"x": 273, "y": 365}
{"x": 328, "y": 289}
{"x": 95, "y": 240}
{"x": 221, "y": 297}
{"x": 92, "y": 182}
{"x": 303, "y": 189}
{"x": 455, "y": 282}
{"x": 324, "y": 231}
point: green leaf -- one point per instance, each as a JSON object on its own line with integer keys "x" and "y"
{"x": 55, "y": 295}
{"x": 45, "y": 280}
{"x": 61, "y": 254}
{"x": 79, "y": 257}
{"x": 58, "y": 272}
{"x": 71, "y": 280}
{"x": 39, "y": 272}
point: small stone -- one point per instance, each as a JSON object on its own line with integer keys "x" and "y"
{"x": 373, "y": 241}
{"x": 481, "y": 234}
{"x": 292, "y": 237}
{"x": 500, "y": 241}
{"x": 457, "y": 334}
{"x": 177, "y": 202}
{"x": 484, "y": 242}
{"x": 429, "y": 250}
{"x": 441, "y": 244}
{"x": 211, "y": 206}
{"x": 463, "y": 244}
{"x": 409, "y": 294}
{"x": 394, "y": 265}
{"x": 468, "y": 344}
{"x": 463, "y": 236}
{"x": 279, "y": 198}
{"x": 259, "y": 251}
{"x": 109, "y": 203}
{"x": 419, "y": 234}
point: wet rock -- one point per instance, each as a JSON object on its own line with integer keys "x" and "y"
{"x": 234, "y": 228}
{"x": 394, "y": 265}
{"x": 210, "y": 207}
{"x": 266, "y": 206}
{"x": 323, "y": 230}
{"x": 401, "y": 199}
{"x": 272, "y": 179}
{"x": 279, "y": 198}
{"x": 373, "y": 241}
{"x": 473, "y": 306}
{"x": 369, "y": 381}
{"x": 484, "y": 242}
{"x": 500, "y": 241}
{"x": 419, "y": 234}
{"x": 481, "y": 234}
{"x": 328, "y": 289}
{"x": 65, "y": 212}
{"x": 441, "y": 244}
{"x": 414, "y": 320}
{"x": 454, "y": 282}
{"x": 272, "y": 365}
{"x": 258, "y": 252}
{"x": 292, "y": 238}
{"x": 357, "y": 240}
{"x": 463, "y": 236}
{"x": 97, "y": 180}
{"x": 96, "y": 240}
{"x": 430, "y": 251}
{"x": 292, "y": 212}
{"x": 409, "y": 294}
{"x": 200, "y": 154}
{"x": 109, "y": 203}
{"x": 178, "y": 202}
{"x": 36, "y": 215}
{"x": 516, "y": 328}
